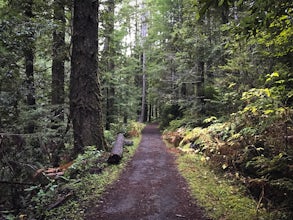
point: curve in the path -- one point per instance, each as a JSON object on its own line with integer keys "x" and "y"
{"x": 150, "y": 188}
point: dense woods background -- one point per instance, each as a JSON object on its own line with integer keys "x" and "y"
{"x": 217, "y": 75}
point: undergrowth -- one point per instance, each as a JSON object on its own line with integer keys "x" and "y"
{"x": 88, "y": 189}
{"x": 69, "y": 195}
{"x": 253, "y": 146}
{"x": 257, "y": 162}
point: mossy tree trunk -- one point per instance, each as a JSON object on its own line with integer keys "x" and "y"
{"x": 85, "y": 94}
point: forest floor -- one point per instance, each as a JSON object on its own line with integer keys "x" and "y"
{"x": 150, "y": 188}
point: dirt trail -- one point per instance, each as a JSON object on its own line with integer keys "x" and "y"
{"x": 150, "y": 188}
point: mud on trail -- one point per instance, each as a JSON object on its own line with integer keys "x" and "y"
{"x": 150, "y": 188}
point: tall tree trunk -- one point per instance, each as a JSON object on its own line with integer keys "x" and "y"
{"x": 58, "y": 58}
{"x": 200, "y": 86}
{"x": 143, "y": 114}
{"x": 29, "y": 64}
{"x": 85, "y": 94}
{"x": 108, "y": 59}
{"x": 150, "y": 112}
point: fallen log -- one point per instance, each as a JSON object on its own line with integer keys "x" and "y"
{"x": 117, "y": 150}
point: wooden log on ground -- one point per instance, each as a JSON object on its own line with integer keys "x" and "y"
{"x": 117, "y": 150}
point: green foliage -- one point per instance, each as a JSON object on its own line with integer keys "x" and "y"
{"x": 137, "y": 126}
{"x": 176, "y": 124}
{"x": 260, "y": 102}
{"x": 271, "y": 168}
{"x": 85, "y": 161}
{"x": 251, "y": 143}
{"x": 256, "y": 166}
{"x": 210, "y": 119}
{"x": 83, "y": 183}
{"x": 42, "y": 197}
{"x": 109, "y": 136}
{"x": 88, "y": 187}
{"x": 131, "y": 129}
{"x": 169, "y": 113}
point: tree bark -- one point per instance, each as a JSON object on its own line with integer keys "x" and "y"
{"x": 85, "y": 94}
